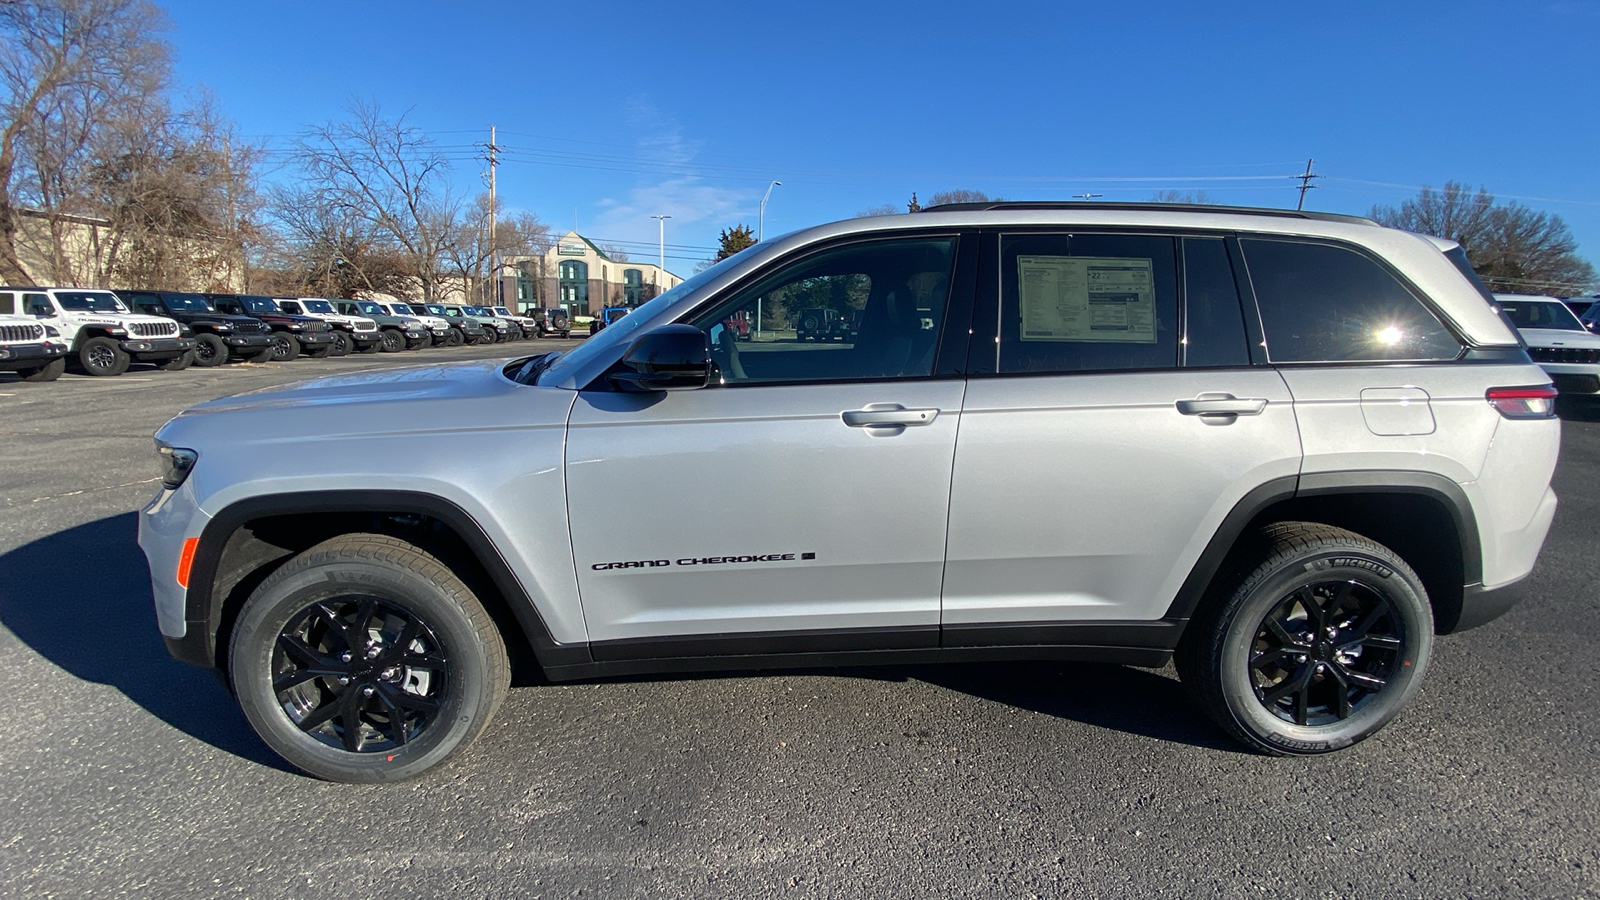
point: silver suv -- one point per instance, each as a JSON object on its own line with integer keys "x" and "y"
{"x": 1285, "y": 449}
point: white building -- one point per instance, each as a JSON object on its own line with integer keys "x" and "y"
{"x": 579, "y": 277}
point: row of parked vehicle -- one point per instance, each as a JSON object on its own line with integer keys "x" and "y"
{"x": 102, "y": 332}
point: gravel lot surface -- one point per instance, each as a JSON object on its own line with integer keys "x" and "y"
{"x": 124, "y": 772}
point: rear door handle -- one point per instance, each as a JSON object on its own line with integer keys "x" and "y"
{"x": 1222, "y": 405}
{"x": 887, "y": 415}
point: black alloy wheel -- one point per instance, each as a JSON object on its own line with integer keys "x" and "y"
{"x": 359, "y": 673}
{"x": 342, "y": 343}
{"x": 393, "y": 340}
{"x": 454, "y": 337}
{"x": 209, "y": 350}
{"x": 1325, "y": 651}
{"x": 488, "y": 336}
{"x": 365, "y": 659}
{"x": 284, "y": 347}
{"x": 1317, "y": 640}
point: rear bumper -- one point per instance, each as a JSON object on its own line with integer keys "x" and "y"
{"x": 1481, "y": 605}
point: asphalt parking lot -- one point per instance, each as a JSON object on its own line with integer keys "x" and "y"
{"x": 127, "y": 773}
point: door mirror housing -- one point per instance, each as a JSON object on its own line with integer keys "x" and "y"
{"x": 669, "y": 358}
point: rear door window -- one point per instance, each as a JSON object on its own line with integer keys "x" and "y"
{"x": 1213, "y": 332}
{"x": 1327, "y": 303}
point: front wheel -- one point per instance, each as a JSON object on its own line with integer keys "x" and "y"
{"x": 364, "y": 659}
{"x": 342, "y": 344}
{"x": 454, "y": 337}
{"x": 285, "y": 347}
{"x": 103, "y": 356}
{"x": 488, "y": 337}
{"x": 393, "y": 340}
{"x": 50, "y": 371}
{"x": 209, "y": 350}
{"x": 1317, "y": 646}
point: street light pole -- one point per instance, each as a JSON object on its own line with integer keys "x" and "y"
{"x": 761, "y": 220}
{"x": 662, "y": 249}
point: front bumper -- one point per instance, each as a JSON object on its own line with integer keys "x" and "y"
{"x": 170, "y": 518}
{"x": 312, "y": 338}
{"x": 25, "y": 356}
{"x": 253, "y": 343}
{"x": 365, "y": 337}
{"x": 158, "y": 347}
{"x": 1574, "y": 378}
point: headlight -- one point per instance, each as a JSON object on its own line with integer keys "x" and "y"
{"x": 223, "y": 329}
{"x": 294, "y": 327}
{"x": 116, "y": 331}
{"x": 176, "y": 464}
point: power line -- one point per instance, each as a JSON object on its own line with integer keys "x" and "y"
{"x": 1305, "y": 184}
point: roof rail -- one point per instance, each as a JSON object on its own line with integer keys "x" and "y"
{"x": 1148, "y": 207}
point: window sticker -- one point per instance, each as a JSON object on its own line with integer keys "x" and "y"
{"x": 1087, "y": 298}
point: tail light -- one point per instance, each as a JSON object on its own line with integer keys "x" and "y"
{"x": 1524, "y": 402}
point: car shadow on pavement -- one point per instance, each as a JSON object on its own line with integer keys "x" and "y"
{"x": 81, "y": 599}
{"x": 1119, "y": 698}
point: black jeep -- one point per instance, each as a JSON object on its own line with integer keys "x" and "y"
{"x": 218, "y": 336}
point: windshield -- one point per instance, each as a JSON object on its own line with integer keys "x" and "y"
{"x": 477, "y": 311}
{"x": 186, "y": 303}
{"x": 401, "y": 309}
{"x": 260, "y": 304}
{"x": 623, "y": 330}
{"x": 435, "y": 308}
{"x": 318, "y": 306}
{"x": 1541, "y": 314}
{"x": 90, "y": 301}
{"x": 502, "y": 311}
{"x": 367, "y": 307}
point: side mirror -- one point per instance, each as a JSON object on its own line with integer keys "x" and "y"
{"x": 44, "y": 312}
{"x": 669, "y": 358}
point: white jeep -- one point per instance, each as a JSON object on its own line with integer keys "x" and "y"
{"x": 28, "y": 347}
{"x": 103, "y": 335}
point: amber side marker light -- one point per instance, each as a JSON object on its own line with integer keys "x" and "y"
{"x": 186, "y": 561}
{"x": 1524, "y": 402}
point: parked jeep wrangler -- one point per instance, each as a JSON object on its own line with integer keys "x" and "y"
{"x": 395, "y": 333}
{"x": 105, "y": 336}
{"x": 822, "y": 324}
{"x": 438, "y": 327}
{"x": 28, "y": 347}
{"x": 552, "y": 321}
{"x": 1284, "y": 450}
{"x": 291, "y": 334}
{"x": 218, "y": 336}
{"x": 350, "y": 333}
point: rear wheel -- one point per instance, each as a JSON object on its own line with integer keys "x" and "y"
{"x": 103, "y": 356}
{"x": 50, "y": 371}
{"x": 209, "y": 350}
{"x": 365, "y": 659}
{"x": 1318, "y": 645}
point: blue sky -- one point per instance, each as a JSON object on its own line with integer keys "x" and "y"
{"x": 611, "y": 113}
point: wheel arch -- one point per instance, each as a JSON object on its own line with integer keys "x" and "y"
{"x": 1424, "y": 517}
{"x": 243, "y": 543}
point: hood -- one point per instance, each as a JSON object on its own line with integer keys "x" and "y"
{"x": 448, "y": 381}
{"x": 1559, "y": 337}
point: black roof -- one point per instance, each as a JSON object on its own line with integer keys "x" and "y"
{"x": 1147, "y": 207}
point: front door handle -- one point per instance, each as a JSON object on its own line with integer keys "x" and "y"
{"x": 887, "y": 415}
{"x": 1222, "y": 405}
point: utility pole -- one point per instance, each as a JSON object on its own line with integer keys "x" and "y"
{"x": 662, "y": 220}
{"x": 494, "y": 250}
{"x": 1305, "y": 184}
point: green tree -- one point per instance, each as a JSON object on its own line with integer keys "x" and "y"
{"x": 735, "y": 239}
{"x": 913, "y": 206}
{"x": 1514, "y": 248}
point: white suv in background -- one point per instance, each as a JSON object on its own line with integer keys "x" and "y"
{"x": 1557, "y": 341}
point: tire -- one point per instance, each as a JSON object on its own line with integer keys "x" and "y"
{"x": 102, "y": 356}
{"x": 417, "y": 343}
{"x": 50, "y": 371}
{"x": 1270, "y": 659}
{"x": 284, "y": 347}
{"x": 342, "y": 344}
{"x": 489, "y": 336}
{"x": 393, "y": 341}
{"x": 445, "y": 682}
{"x": 265, "y": 356}
{"x": 320, "y": 352}
{"x": 209, "y": 350}
{"x": 178, "y": 363}
{"x": 454, "y": 337}
{"x": 374, "y": 347}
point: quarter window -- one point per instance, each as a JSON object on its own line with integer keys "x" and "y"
{"x": 866, "y": 311}
{"x": 1213, "y": 331}
{"x": 1087, "y": 302}
{"x": 1323, "y": 303}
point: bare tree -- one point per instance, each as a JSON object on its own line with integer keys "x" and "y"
{"x": 330, "y": 250}
{"x": 469, "y": 255}
{"x": 1513, "y": 247}
{"x": 64, "y": 66}
{"x": 960, "y": 195}
{"x": 1176, "y": 196}
{"x": 391, "y": 174}
{"x": 882, "y": 209}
